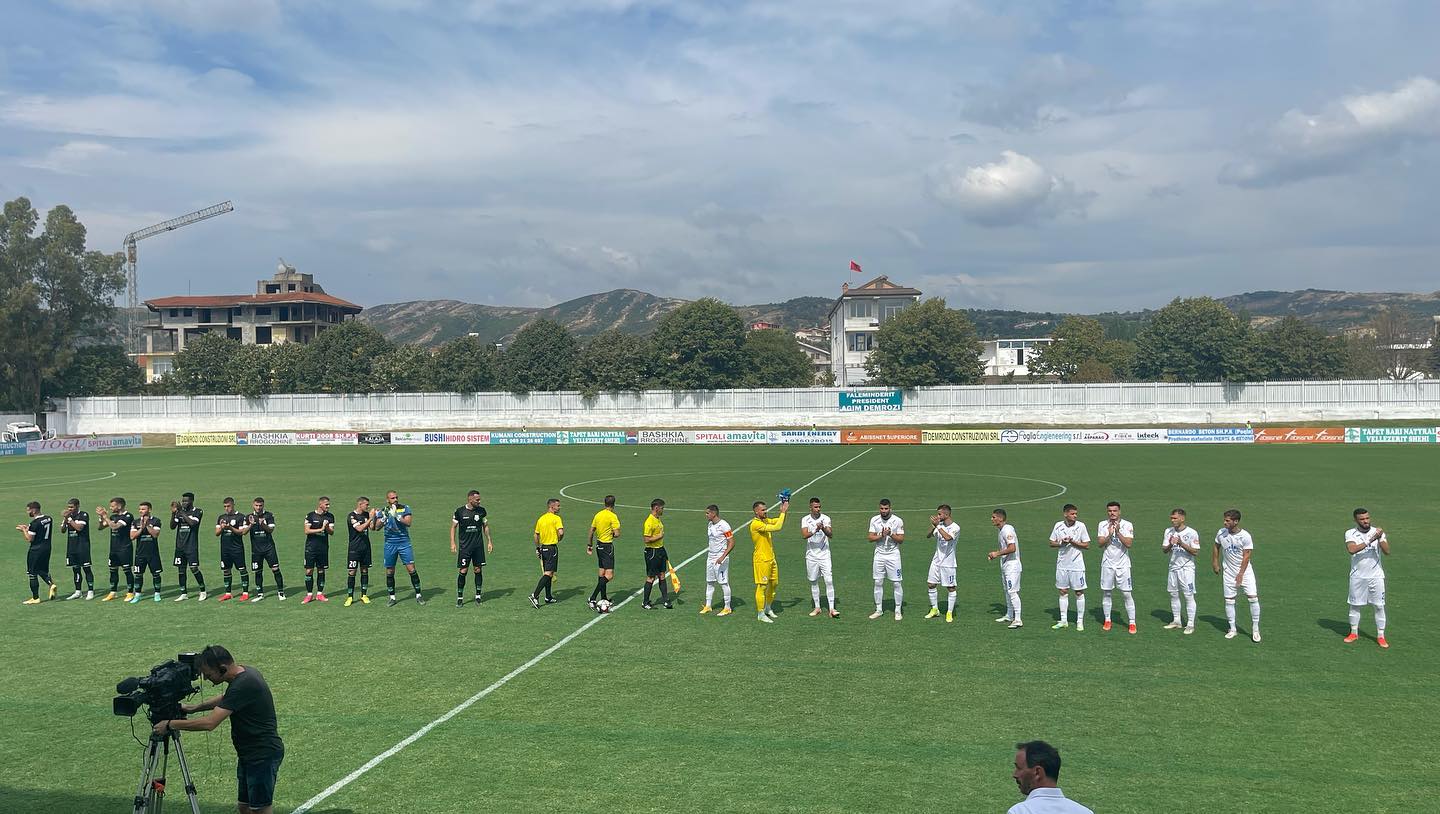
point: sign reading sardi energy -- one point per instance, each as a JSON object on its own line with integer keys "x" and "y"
{"x": 871, "y": 401}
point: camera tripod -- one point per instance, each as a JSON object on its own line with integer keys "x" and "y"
{"x": 150, "y": 795}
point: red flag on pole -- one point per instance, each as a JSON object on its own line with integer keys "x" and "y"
{"x": 855, "y": 267}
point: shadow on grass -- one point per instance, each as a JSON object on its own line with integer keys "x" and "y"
{"x": 496, "y": 594}
{"x": 1161, "y": 615}
{"x": 1216, "y": 622}
{"x": 1335, "y": 626}
{"x": 212, "y": 801}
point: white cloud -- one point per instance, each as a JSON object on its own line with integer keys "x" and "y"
{"x": 74, "y": 157}
{"x": 1015, "y": 189}
{"x": 1341, "y": 137}
{"x": 381, "y": 244}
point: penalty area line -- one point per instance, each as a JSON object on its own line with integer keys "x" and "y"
{"x": 335, "y": 787}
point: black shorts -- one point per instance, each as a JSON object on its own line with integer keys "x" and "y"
{"x": 317, "y": 553}
{"x": 232, "y": 555}
{"x": 470, "y": 554}
{"x": 264, "y": 555}
{"x": 655, "y": 559}
{"x": 37, "y": 560}
{"x": 358, "y": 557}
{"x": 147, "y": 558}
{"x": 187, "y": 554}
{"x": 549, "y": 557}
{"x": 77, "y": 553}
{"x": 121, "y": 556}
{"x": 605, "y": 556}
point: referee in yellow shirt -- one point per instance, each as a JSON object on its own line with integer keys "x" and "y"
{"x": 655, "y": 556}
{"x": 767, "y": 575}
{"x": 549, "y": 531}
{"x": 604, "y": 530}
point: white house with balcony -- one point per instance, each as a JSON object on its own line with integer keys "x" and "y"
{"x": 1010, "y": 357}
{"x": 854, "y": 320}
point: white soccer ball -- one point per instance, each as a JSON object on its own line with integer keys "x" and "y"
{"x": 603, "y": 606}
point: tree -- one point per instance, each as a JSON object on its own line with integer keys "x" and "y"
{"x": 776, "y": 360}
{"x": 465, "y": 365}
{"x": 206, "y": 367}
{"x": 286, "y": 364}
{"x": 540, "y": 358}
{"x": 1293, "y": 350}
{"x": 404, "y": 369}
{"x": 97, "y": 370}
{"x": 341, "y": 359}
{"x": 700, "y": 346}
{"x": 1077, "y": 340}
{"x": 1399, "y": 343}
{"x": 612, "y": 362}
{"x": 926, "y": 344}
{"x": 1195, "y": 340}
{"x": 53, "y": 295}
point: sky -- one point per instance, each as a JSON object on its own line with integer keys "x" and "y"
{"x": 1080, "y": 155}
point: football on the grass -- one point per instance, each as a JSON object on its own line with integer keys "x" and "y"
{"x": 603, "y": 606}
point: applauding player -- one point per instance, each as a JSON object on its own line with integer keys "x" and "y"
{"x": 1182, "y": 543}
{"x": 146, "y": 533}
{"x": 77, "y": 546}
{"x": 38, "y": 534}
{"x": 260, "y": 524}
{"x": 358, "y": 558}
{"x": 1366, "y": 544}
{"x": 397, "y": 520}
{"x": 1115, "y": 536}
{"x": 185, "y": 520}
{"x": 319, "y": 525}
{"x": 471, "y": 523}
{"x": 942, "y": 565}
{"x": 767, "y": 574}
{"x": 122, "y": 548}
{"x": 887, "y": 532}
{"x": 817, "y": 531}
{"x": 1071, "y": 538}
{"x": 229, "y": 528}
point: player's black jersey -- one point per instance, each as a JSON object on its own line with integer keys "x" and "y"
{"x": 186, "y": 522}
{"x": 262, "y": 527}
{"x": 315, "y": 523}
{"x": 228, "y": 523}
{"x": 82, "y": 534}
{"x": 41, "y": 528}
{"x": 149, "y": 530}
{"x": 470, "y": 525}
{"x": 121, "y": 535}
{"x": 359, "y": 537}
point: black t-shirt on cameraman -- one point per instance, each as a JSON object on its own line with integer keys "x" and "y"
{"x": 253, "y": 729}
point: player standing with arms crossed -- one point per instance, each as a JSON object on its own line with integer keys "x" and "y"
{"x": 1182, "y": 543}
{"x": 1237, "y": 545}
{"x": 1071, "y": 538}
{"x": 817, "y": 531}
{"x": 1115, "y": 536}
{"x": 1008, "y": 553}
{"x": 1367, "y": 576}
{"x": 887, "y": 532}
{"x": 719, "y": 542}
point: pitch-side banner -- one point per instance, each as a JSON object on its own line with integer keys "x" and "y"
{"x": 959, "y": 436}
{"x": 14, "y": 448}
{"x": 508, "y": 437}
{"x": 265, "y": 439}
{"x": 95, "y": 444}
{"x": 1390, "y": 435}
{"x": 1209, "y": 435}
{"x": 726, "y": 437}
{"x": 371, "y": 439}
{"x": 464, "y": 438}
{"x": 663, "y": 437}
{"x": 596, "y": 437}
{"x": 879, "y": 435}
{"x": 871, "y": 401}
{"x": 408, "y": 438}
{"x": 204, "y": 439}
{"x": 1300, "y": 435}
{"x": 1108, "y": 436}
{"x": 325, "y": 439}
{"x": 1040, "y": 436}
{"x": 803, "y": 436}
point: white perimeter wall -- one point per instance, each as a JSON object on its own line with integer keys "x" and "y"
{"x": 1057, "y": 404}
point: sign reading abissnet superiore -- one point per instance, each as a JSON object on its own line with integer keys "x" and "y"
{"x": 871, "y": 401}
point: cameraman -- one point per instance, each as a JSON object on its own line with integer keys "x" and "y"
{"x": 251, "y": 709}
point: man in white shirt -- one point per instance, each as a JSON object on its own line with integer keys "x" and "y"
{"x": 1115, "y": 536}
{"x": 719, "y": 542}
{"x": 942, "y": 566}
{"x": 1008, "y": 553}
{"x": 1182, "y": 543}
{"x": 1071, "y": 538}
{"x": 887, "y": 532}
{"x": 1037, "y": 771}
{"x": 1366, "y": 545}
{"x": 1236, "y": 545}
{"x": 815, "y": 527}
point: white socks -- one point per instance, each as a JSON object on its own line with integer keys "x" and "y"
{"x": 1175, "y": 609}
{"x": 1013, "y": 598}
{"x": 1230, "y": 612}
{"x": 1380, "y": 620}
{"x": 725, "y": 591}
{"x": 879, "y": 593}
{"x": 1355, "y": 618}
{"x": 709, "y": 593}
{"x": 1255, "y": 613}
{"x": 1106, "y": 604}
{"x": 1190, "y": 609}
{"x": 1079, "y": 609}
{"x": 1129, "y": 606}
{"x": 830, "y": 592}
{"x": 815, "y": 593}
{"x": 934, "y": 598}
{"x": 1064, "y": 608}
{"x": 950, "y": 601}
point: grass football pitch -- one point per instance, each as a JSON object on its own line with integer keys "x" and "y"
{"x": 672, "y": 711}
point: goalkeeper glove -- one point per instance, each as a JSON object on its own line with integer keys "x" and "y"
{"x": 784, "y": 495}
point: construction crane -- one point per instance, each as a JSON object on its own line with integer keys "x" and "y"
{"x": 132, "y": 298}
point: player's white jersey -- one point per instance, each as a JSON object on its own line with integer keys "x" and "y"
{"x": 945, "y": 549}
{"x": 1180, "y": 558}
{"x": 1232, "y": 548}
{"x": 817, "y": 543}
{"x": 716, "y": 535}
{"x": 886, "y": 528}
{"x": 1005, "y": 538}
{"x": 1070, "y": 558}
{"x": 1365, "y": 563}
{"x": 1115, "y": 555}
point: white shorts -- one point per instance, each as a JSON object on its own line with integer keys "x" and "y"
{"x": 1368, "y": 591}
{"x": 817, "y": 568}
{"x": 1248, "y": 584}
{"x": 942, "y": 575}
{"x": 1010, "y": 578}
{"x": 887, "y": 566}
{"x": 1112, "y": 577}
{"x": 1181, "y": 580}
{"x": 1071, "y": 580}
{"x": 717, "y": 572}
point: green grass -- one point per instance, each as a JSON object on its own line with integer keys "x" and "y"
{"x": 668, "y": 711}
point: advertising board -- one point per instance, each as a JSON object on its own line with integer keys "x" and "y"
{"x": 204, "y": 439}
{"x": 802, "y": 436}
{"x": 372, "y": 438}
{"x": 1123, "y": 436}
{"x": 663, "y": 437}
{"x": 265, "y": 439}
{"x": 14, "y": 448}
{"x": 726, "y": 437}
{"x": 325, "y": 439}
{"x": 1040, "y": 436}
{"x": 1390, "y": 435}
{"x": 513, "y": 437}
{"x": 959, "y": 436}
{"x": 97, "y": 443}
{"x": 879, "y": 435}
{"x": 595, "y": 437}
{"x": 1300, "y": 435}
{"x": 1209, "y": 435}
{"x": 871, "y": 401}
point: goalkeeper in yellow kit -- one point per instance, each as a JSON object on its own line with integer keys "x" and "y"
{"x": 767, "y": 575}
